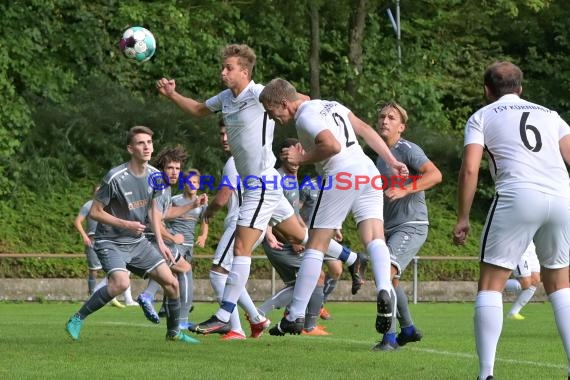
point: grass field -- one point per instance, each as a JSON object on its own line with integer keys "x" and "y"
{"x": 119, "y": 344}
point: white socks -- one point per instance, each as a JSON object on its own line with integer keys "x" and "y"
{"x": 380, "y": 263}
{"x": 488, "y": 325}
{"x": 307, "y": 278}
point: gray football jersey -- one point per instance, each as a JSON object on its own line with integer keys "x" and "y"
{"x": 91, "y": 223}
{"x": 185, "y": 224}
{"x": 411, "y": 208}
{"x": 126, "y": 197}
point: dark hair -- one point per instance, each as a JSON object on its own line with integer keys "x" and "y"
{"x": 167, "y": 155}
{"x": 136, "y": 130}
{"x": 502, "y": 78}
{"x": 290, "y": 141}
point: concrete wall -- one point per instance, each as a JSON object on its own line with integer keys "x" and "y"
{"x": 76, "y": 290}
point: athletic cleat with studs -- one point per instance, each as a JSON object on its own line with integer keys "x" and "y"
{"x": 286, "y": 326}
{"x": 212, "y": 325}
{"x": 181, "y": 337}
{"x": 354, "y": 270}
{"x": 257, "y": 329}
{"x": 73, "y": 326}
{"x": 515, "y": 317}
{"x": 383, "y": 311}
{"x": 316, "y": 331}
{"x": 490, "y": 377}
{"x": 404, "y": 339}
{"x": 115, "y": 302}
{"x": 386, "y": 346}
{"x": 148, "y": 309}
{"x": 233, "y": 335}
{"x": 324, "y": 314}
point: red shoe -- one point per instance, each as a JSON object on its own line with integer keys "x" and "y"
{"x": 233, "y": 335}
{"x": 325, "y": 314}
{"x": 317, "y": 331}
{"x": 257, "y": 329}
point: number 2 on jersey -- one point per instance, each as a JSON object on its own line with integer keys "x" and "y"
{"x": 338, "y": 118}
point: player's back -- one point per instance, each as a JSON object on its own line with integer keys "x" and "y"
{"x": 315, "y": 116}
{"x": 521, "y": 140}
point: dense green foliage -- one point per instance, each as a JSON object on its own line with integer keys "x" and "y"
{"x": 68, "y": 95}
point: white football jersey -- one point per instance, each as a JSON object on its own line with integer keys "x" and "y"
{"x": 315, "y": 116}
{"x": 521, "y": 141}
{"x": 250, "y": 131}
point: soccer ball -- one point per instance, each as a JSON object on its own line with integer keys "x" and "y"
{"x": 138, "y": 43}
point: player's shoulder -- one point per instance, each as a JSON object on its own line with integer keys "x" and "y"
{"x": 116, "y": 172}
{"x": 151, "y": 169}
{"x": 407, "y": 146}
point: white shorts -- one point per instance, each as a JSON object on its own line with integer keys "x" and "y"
{"x": 516, "y": 218}
{"x": 333, "y": 204}
{"x": 282, "y": 212}
{"x": 529, "y": 263}
{"x": 224, "y": 255}
{"x": 259, "y": 201}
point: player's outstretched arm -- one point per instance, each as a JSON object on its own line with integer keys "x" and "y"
{"x": 167, "y": 87}
{"x": 377, "y": 144}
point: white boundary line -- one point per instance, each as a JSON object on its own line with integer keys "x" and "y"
{"x": 370, "y": 345}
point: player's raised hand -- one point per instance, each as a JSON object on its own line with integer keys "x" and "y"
{"x": 165, "y": 86}
{"x": 292, "y": 154}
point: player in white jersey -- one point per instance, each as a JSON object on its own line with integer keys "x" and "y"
{"x": 327, "y": 132}
{"x": 526, "y": 145}
{"x": 527, "y": 278}
{"x": 230, "y": 196}
{"x": 250, "y": 137}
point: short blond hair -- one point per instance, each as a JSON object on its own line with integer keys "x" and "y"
{"x": 401, "y": 110}
{"x": 245, "y": 55}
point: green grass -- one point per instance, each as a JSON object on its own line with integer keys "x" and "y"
{"x": 122, "y": 344}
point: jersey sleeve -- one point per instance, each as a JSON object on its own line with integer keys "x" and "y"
{"x": 416, "y": 158}
{"x": 84, "y": 210}
{"x": 214, "y": 104}
{"x": 105, "y": 192}
{"x": 563, "y": 128}
{"x": 474, "y": 130}
{"x": 311, "y": 123}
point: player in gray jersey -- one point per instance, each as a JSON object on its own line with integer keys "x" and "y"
{"x": 121, "y": 208}
{"x": 186, "y": 224}
{"x": 405, "y": 213}
{"x": 93, "y": 263}
{"x": 169, "y": 161}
